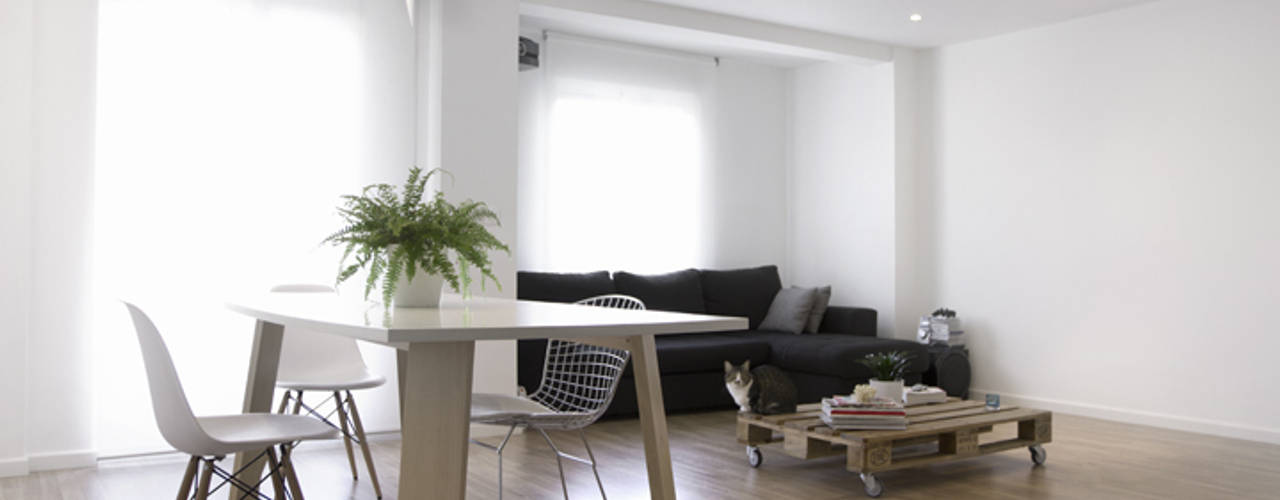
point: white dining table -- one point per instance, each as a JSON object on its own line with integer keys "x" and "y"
{"x": 436, "y": 355}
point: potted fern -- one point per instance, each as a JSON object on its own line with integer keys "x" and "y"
{"x": 887, "y": 369}
{"x": 412, "y": 244}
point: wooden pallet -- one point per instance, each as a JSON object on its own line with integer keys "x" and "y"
{"x": 935, "y": 433}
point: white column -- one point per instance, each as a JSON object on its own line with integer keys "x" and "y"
{"x": 15, "y": 225}
{"x": 908, "y": 304}
{"x": 467, "y": 92}
{"x": 59, "y": 400}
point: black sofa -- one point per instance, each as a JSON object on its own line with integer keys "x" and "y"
{"x": 692, "y": 365}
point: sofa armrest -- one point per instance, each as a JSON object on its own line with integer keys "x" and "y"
{"x": 849, "y": 321}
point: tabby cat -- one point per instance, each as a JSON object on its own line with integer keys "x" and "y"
{"x": 765, "y": 390}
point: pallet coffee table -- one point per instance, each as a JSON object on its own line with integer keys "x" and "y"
{"x": 935, "y": 433}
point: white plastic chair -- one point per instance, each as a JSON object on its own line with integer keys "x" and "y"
{"x": 208, "y": 439}
{"x": 328, "y": 364}
{"x": 578, "y": 383}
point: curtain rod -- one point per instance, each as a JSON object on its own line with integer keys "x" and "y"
{"x": 633, "y": 46}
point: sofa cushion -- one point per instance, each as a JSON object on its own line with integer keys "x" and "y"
{"x": 835, "y": 355}
{"x": 741, "y": 292}
{"x": 821, "y": 299}
{"x": 562, "y": 287}
{"x": 680, "y": 291}
{"x": 707, "y": 352}
{"x": 790, "y": 310}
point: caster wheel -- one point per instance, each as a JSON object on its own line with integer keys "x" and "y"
{"x": 754, "y": 456}
{"x": 872, "y": 486}
{"x": 1038, "y": 455}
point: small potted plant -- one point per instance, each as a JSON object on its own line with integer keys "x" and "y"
{"x": 887, "y": 369}
{"x": 410, "y": 245}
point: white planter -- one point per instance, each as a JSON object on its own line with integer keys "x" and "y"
{"x": 888, "y": 390}
{"x": 423, "y": 291}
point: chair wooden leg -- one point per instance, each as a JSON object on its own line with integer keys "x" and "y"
{"x": 284, "y": 402}
{"x": 364, "y": 444}
{"x": 346, "y": 436}
{"x": 206, "y": 474}
{"x": 276, "y": 482}
{"x": 184, "y": 491}
{"x": 286, "y": 457}
{"x": 297, "y": 402}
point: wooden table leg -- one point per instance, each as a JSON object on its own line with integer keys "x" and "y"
{"x": 437, "y": 420}
{"x": 402, "y": 375}
{"x": 653, "y": 417}
{"x": 260, "y": 388}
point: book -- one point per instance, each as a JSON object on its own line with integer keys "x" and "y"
{"x": 846, "y": 402}
{"x": 929, "y": 395}
{"x": 842, "y": 421}
{"x": 865, "y": 418}
{"x": 865, "y": 412}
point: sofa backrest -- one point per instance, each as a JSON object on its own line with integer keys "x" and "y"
{"x": 733, "y": 292}
{"x": 741, "y": 292}
{"x": 562, "y": 287}
{"x": 680, "y": 291}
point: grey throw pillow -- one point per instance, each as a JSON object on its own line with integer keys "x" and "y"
{"x": 821, "y": 297}
{"x": 790, "y": 310}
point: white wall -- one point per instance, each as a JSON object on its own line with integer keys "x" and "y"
{"x": 59, "y": 425}
{"x": 46, "y": 151}
{"x": 15, "y": 224}
{"x": 842, "y": 184}
{"x": 747, "y": 204}
{"x": 1102, "y": 212}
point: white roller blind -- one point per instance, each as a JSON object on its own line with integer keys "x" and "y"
{"x": 617, "y": 147}
{"x": 227, "y": 130}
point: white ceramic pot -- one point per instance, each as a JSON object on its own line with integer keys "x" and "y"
{"x": 423, "y": 291}
{"x": 891, "y": 390}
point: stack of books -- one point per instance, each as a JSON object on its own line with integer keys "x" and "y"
{"x": 844, "y": 413}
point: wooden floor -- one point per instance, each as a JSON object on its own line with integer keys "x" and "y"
{"x": 1089, "y": 459}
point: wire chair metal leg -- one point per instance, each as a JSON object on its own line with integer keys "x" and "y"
{"x": 583, "y": 433}
{"x": 502, "y": 446}
{"x": 559, "y": 463}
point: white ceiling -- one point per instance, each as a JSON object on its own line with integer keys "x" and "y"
{"x": 886, "y": 21}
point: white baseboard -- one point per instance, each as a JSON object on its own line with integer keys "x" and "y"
{"x": 62, "y": 460}
{"x": 10, "y": 467}
{"x": 1166, "y": 421}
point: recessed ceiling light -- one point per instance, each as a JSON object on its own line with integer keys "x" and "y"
{"x": 915, "y": 18}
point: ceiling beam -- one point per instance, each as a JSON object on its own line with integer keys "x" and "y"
{"x": 680, "y": 22}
